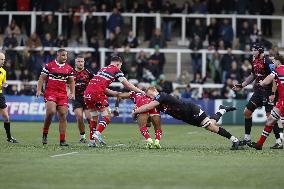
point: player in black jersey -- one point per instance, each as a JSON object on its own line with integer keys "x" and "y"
{"x": 188, "y": 112}
{"x": 82, "y": 78}
{"x": 262, "y": 96}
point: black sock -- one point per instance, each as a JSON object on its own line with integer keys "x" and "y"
{"x": 216, "y": 116}
{"x": 7, "y": 129}
{"x": 248, "y": 125}
{"x": 224, "y": 133}
{"x": 276, "y": 131}
{"x": 82, "y": 133}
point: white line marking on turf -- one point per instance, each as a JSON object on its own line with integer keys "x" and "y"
{"x": 116, "y": 145}
{"x": 192, "y": 133}
{"x": 59, "y": 155}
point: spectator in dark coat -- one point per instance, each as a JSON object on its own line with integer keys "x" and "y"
{"x": 157, "y": 40}
{"x": 130, "y": 40}
{"x": 10, "y": 41}
{"x": 61, "y": 41}
{"x": 149, "y": 22}
{"x": 157, "y": 62}
{"x": 196, "y": 58}
{"x": 47, "y": 41}
{"x": 90, "y": 26}
{"x": 212, "y": 32}
{"x": 198, "y": 29}
{"x": 115, "y": 20}
{"x": 226, "y": 63}
{"x": 244, "y": 35}
{"x": 226, "y": 33}
{"x": 267, "y": 8}
{"x": 50, "y": 27}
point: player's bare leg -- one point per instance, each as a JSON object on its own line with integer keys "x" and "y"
{"x": 50, "y": 112}
{"x": 105, "y": 120}
{"x": 6, "y": 119}
{"x": 62, "y": 114}
{"x": 142, "y": 120}
{"x": 80, "y": 122}
{"x": 156, "y": 120}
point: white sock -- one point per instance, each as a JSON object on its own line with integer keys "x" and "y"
{"x": 247, "y": 137}
{"x": 82, "y": 136}
{"x": 234, "y": 139}
{"x": 281, "y": 136}
{"x": 278, "y": 141}
{"x": 222, "y": 111}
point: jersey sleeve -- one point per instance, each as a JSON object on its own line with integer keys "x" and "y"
{"x": 5, "y": 77}
{"x": 71, "y": 73}
{"x": 45, "y": 70}
{"x": 119, "y": 76}
{"x": 268, "y": 64}
{"x": 160, "y": 97}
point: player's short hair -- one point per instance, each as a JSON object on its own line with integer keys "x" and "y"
{"x": 116, "y": 59}
{"x": 279, "y": 58}
{"x": 79, "y": 56}
{"x": 61, "y": 50}
{"x": 258, "y": 47}
{"x": 150, "y": 89}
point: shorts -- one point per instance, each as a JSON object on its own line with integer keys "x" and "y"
{"x": 280, "y": 107}
{"x": 259, "y": 99}
{"x": 79, "y": 103}
{"x": 194, "y": 115}
{"x": 59, "y": 99}
{"x": 2, "y": 101}
{"x": 95, "y": 100}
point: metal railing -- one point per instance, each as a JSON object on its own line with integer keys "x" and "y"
{"x": 158, "y": 18}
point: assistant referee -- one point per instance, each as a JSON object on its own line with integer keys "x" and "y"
{"x": 3, "y": 106}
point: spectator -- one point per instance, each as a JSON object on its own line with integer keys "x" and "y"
{"x": 119, "y": 6}
{"x": 40, "y": 25}
{"x": 167, "y": 22}
{"x": 68, "y": 23}
{"x": 196, "y": 58}
{"x": 246, "y": 69}
{"x": 244, "y": 35}
{"x": 141, "y": 62}
{"x": 94, "y": 43}
{"x": 164, "y": 85}
{"x": 227, "y": 92}
{"x": 261, "y": 40}
{"x": 50, "y": 5}
{"x": 242, "y": 6}
{"x": 226, "y": 33}
{"x": 226, "y": 63}
{"x": 36, "y": 62}
{"x": 215, "y": 7}
{"x": 267, "y": 8}
{"x": 148, "y": 21}
{"x": 176, "y": 93}
{"x": 130, "y": 40}
{"x": 10, "y": 41}
{"x": 115, "y": 20}
{"x": 198, "y": 78}
{"x": 215, "y": 69}
{"x": 254, "y": 7}
{"x": 186, "y": 9}
{"x": 157, "y": 40}
{"x": 235, "y": 73}
{"x": 128, "y": 60}
{"x": 187, "y": 92}
{"x": 220, "y": 45}
{"x": 61, "y": 42}
{"x": 91, "y": 25}
{"x": 111, "y": 42}
{"x": 47, "y": 41}
{"x": 25, "y": 76}
{"x": 14, "y": 30}
{"x": 104, "y": 20}
{"x": 212, "y": 32}
{"x": 132, "y": 73}
{"x": 94, "y": 67}
{"x": 147, "y": 75}
{"x": 119, "y": 37}
{"x": 33, "y": 41}
{"x": 199, "y": 7}
{"x": 254, "y": 33}
{"x": 136, "y": 8}
{"x": 50, "y": 27}
{"x": 198, "y": 29}
{"x": 157, "y": 62}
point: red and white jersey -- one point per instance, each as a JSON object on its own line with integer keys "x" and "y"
{"x": 279, "y": 73}
{"x": 105, "y": 77}
{"x": 139, "y": 99}
{"x": 58, "y": 75}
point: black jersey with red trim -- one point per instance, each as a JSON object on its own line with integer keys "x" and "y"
{"x": 82, "y": 79}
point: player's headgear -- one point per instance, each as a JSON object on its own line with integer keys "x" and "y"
{"x": 258, "y": 47}
{"x": 116, "y": 59}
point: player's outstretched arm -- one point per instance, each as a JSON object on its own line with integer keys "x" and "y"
{"x": 267, "y": 80}
{"x": 41, "y": 79}
{"x": 110, "y": 92}
{"x": 131, "y": 87}
{"x": 146, "y": 107}
{"x": 248, "y": 80}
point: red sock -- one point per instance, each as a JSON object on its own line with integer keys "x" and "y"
{"x": 103, "y": 124}
{"x": 93, "y": 126}
{"x": 45, "y": 130}
{"x": 158, "y": 134}
{"x": 62, "y": 137}
{"x": 144, "y": 131}
{"x": 265, "y": 133}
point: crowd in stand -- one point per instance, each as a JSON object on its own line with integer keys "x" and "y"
{"x": 218, "y": 35}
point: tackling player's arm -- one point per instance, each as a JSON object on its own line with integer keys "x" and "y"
{"x": 110, "y": 92}
{"x": 42, "y": 78}
{"x": 71, "y": 83}
{"x": 248, "y": 81}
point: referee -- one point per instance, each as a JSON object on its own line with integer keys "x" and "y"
{"x": 3, "y": 106}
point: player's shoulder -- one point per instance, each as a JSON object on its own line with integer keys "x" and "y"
{"x": 2, "y": 70}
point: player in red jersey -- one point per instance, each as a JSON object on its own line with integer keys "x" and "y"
{"x": 57, "y": 74}
{"x": 96, "y": 99}
{"x": 278, "y": 110}
{"x": 82, "y": 77}
{"x": 153, "y": 115}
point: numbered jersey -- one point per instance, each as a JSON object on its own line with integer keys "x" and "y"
{"x": 279, "y": 73}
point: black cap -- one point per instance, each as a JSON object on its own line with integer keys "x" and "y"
{"x": 116, "y": 59}
{"x": 258, "y": 47}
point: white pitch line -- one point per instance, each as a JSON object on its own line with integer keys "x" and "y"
{"x": 191, "y": 133}
{"x": 117, "y": 145}
{"x": 59, "y": 155}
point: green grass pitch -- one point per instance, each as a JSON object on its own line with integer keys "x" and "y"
{"x": 190, "y": 158}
